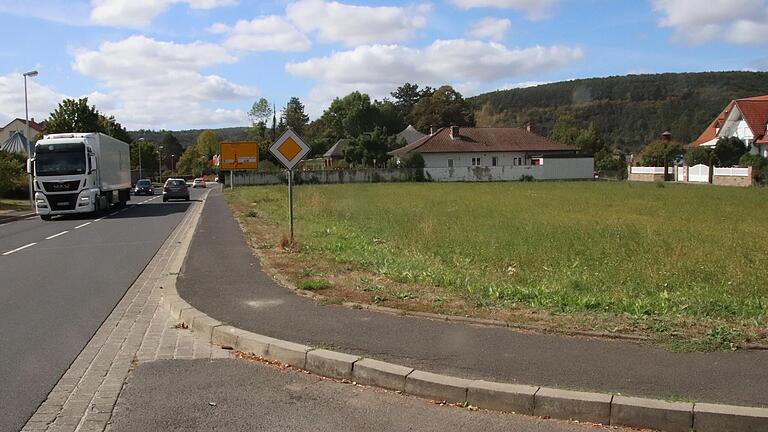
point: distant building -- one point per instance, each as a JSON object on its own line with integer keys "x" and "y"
{"x": 410, "y": 135}
{"x": 488, "y": 154}
{"x": 745, "y": 119}
{"x": 19, "y": 125}
{"x": 335, "y": 155}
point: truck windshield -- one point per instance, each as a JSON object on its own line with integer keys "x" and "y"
{"x": 60, "y": 159}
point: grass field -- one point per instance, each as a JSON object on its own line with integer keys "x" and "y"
{"x": 676, "y": 258}
{"x": 13, "y": 204}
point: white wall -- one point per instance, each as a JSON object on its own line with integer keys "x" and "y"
{"x": 440, "y": 160}
{"x": 436, "y": 167}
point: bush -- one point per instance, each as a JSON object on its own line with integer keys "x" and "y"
{"x": 526, "y": 178}
{"x": 759, "y": 166}
{"x": 13, "y": 176}
{"x": 699, "y": 155}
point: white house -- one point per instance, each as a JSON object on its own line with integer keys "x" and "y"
{"x": 488, "y": 154}
{"x": 745, "y": 119}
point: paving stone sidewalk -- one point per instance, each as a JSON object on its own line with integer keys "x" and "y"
{"x": 138, "y": 330}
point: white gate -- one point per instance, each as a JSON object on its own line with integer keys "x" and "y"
{"x": 698, "y": 173}
{"x": 680, "y": 174}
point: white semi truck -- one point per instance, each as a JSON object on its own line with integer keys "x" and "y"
{"x": 80, "y": 173}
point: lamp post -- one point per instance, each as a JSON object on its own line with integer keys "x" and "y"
{"x": 138, "y": 147}
{"x": 159, "y": 168}
{"x": 172, "y": 170}
{"x": 29, "y": 141}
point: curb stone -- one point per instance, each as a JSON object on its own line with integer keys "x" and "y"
{"x": 637, "y": 412}
{"x": 573, "y": 405}
{"x": 540, "y": 401}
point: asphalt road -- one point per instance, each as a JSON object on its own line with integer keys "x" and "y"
{"x": 237, "y": 395}
{"x": 59, "y": 280}
{"x": 222, "y": 278}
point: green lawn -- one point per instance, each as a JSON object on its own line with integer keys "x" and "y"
{"x": 623, "y": 248}
{"x": 13, "y": 204}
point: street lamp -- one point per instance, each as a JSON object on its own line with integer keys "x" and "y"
{"x": 138, "y": 147}
{"x": 172, "y": 156}
{"x": 29, "y": 141}
{"x": 159, "y": 168}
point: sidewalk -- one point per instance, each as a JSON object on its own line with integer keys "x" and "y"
{"x": 222, "y": 279}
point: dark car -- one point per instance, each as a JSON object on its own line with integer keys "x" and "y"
{"x": 175, "y": 189}
{"x": 144, "y": 187}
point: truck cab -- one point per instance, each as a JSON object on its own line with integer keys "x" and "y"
{"x": 79, "y": 173}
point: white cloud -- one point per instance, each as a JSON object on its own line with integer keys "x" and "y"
{"x": 490, "y": 28}
{"x": 737, "y": 21}
{"x": 139, "y": 13}
{"x": 159, "y": 84}
{"x": 378, "y": 69}
{"x": 356, "y": 25}
{"x": 267, "y": 33}
{"x": 535, "y": 9}
{"x": 42, "y": 99}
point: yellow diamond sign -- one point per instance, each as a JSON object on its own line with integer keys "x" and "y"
{"x": 289, "y": 149}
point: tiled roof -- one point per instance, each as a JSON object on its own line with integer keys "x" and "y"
{"x": 410, "y": 134}
{"x": 338, "y": 149}
{"x": 483, "y": 140}
{"x": 755, "y": 113}
{"x": 32, "y": 124}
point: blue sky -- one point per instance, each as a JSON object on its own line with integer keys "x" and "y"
{"x": 180, "y": 64}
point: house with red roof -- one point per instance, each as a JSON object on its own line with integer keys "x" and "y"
{"x": 487, "y": 154}
{"x": 745, "y": 119}
{"x": 20, "y": 125}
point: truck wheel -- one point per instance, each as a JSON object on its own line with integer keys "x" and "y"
{"x": 45, "y": 217}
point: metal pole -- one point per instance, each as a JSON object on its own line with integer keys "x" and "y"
{"x": 29, "y": 146}
{"x": 290, "y": 202}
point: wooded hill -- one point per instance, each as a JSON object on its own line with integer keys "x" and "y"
{"x": 189, "y": 137}
{"x": 627, "y": 111}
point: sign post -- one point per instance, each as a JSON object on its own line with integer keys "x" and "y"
{"x": 238, "y": 155}
{"x": 289, "y": 149}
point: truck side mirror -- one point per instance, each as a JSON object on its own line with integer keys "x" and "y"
{"x": 30, "y": 163}
{"x": 92, "y": 164}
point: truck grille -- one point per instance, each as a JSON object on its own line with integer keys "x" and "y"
{"x": 62, "y": 201}
{"x": 64, "y": 186}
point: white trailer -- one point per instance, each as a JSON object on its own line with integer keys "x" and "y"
{"x": 80, "y": 173}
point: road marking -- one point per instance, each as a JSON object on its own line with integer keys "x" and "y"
{"x": 96, "y": 220}
{"x": 32, "y": 217}
{"x": 56, "y": 235}
{"x": 114, "y": 213}
{"x": 18, "y": 249}
{"x": 82, "y": 225}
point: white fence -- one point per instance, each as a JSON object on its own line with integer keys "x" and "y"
{"x": 732, "y": 172}
{"x": 647, "y": 170}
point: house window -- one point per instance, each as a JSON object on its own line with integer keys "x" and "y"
{"x": 520, "y": 161}
{"x": 450, "y": 163}
{"x": 476, "y": 162}
{"x": 494, "y": 161}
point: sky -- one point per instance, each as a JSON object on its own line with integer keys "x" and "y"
{"x": 188, "y": 64}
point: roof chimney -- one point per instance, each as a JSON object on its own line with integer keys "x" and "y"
{"x": 666, "y": 136}
{"x": 455, "y": 132}
{"x": 431, "y": 130}
{"x": 529, "y": 127}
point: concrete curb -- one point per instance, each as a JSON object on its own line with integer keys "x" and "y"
{"x": 601, "y": 408}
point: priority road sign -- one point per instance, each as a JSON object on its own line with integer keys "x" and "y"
{"x": 289, "y": 149}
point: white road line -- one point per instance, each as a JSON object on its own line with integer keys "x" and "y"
{"x": 96, "y": 220}
{"x": 32, "y": 217}
{"x": 56, "y": 235}
{"x": 18, "y": 249}
{"x": 82, "y": 225}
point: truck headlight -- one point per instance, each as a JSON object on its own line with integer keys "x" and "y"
{"x": 85, "y": 199}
